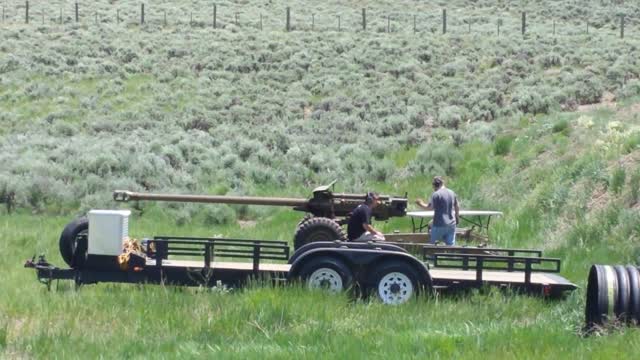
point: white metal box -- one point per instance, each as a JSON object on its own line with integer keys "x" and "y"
{"x": 107, "y": 231}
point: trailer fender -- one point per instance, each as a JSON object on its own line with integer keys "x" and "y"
{"x": 343, "y": 245}
{"x": 361, "y": 261}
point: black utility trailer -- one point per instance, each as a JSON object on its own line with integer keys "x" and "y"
{"x": 386, "y": 270}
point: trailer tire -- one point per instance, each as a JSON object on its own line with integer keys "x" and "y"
{"x": 327, "y": 271}
{"x": 395, "y": 282}
{"x": 317, "y": 229}
{"x": 74, "y": 243}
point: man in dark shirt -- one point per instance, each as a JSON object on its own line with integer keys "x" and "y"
{"x": 359, "y": 227}
{"x": 446, "y": 212}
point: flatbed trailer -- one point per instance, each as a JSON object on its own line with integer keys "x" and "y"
{"x": 386, "y": 270}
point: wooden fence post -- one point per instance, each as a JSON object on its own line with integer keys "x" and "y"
{"x": 117, "y": 16}
{"x": 622, "y": 27}
{"x": 142, "y": 14}
{"x": 288, "y": 18}
{"x": 26, "y": 12}
{"x": 524, "y": 22}
{"x": 364, "y": 19}
{"x": 444, "y": 21}
{"x": 77, "y": 15}
{"x": 215, "y": 16}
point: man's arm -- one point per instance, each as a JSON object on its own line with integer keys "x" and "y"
{"x": 369, "y": 228}
{"x": 423, "y": 205}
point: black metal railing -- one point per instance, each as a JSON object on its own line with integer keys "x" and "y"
{"x": 209, "y": 249}
{"x": 481, "y": 262}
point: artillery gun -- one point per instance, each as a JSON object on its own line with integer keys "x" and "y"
{"x": 326, "y": 210}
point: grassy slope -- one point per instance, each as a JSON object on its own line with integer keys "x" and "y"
{"x": 556, "y": 185}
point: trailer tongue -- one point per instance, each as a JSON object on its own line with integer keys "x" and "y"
{"x": 386, "y": 270}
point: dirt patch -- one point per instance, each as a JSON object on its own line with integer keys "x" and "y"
{"x": 306, "y": 112}
{"x": 246, "y": 224}
{"x": 608, "y": 102}
{"x": 629, "y": 111}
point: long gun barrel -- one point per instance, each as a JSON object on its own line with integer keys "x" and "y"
{"x": 323, "y": 203}
{"x": 124, "y": 196}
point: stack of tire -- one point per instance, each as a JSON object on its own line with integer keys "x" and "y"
{"x": 613, "y": 296}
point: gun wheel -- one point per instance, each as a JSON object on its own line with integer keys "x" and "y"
{"x": 318, "y": 229}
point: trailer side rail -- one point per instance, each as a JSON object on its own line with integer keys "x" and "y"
{"x": 161, "y": 247}
{"x": 479, "y": 263}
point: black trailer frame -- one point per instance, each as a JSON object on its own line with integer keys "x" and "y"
{"x": 531, "y": 274}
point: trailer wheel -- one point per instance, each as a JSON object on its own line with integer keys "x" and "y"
{"x": 396, "y": 282}
{"x": 327, "y": 273}
{"x": 74, "y": 243}
{"x": 317, "y": 229}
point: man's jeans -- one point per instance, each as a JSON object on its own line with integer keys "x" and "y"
{"x": 446, "y": 233}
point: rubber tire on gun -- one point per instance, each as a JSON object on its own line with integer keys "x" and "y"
{"x": 396, "y": 282}
{"x": 74, "y": 242}
{"x": 328, "y": 271}
{"x": 317, "y": 229}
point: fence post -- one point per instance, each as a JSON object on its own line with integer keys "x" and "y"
{"x": 165, "y": 17}
{"x": 554, "y": 27}
{"x": 215, "y": 16}
{"x": 288, "y": 18}
{"x": 524, "y": 22}
{"x": 60, "y": 16}
{"x": 444, "y": 21}
{"x": 364, "y": 19}
{"x": 313, "y": 21}
{"x": 414, "y": 24}
{"x": 141, "y": 14}
{"x": 622, "y": 27}
{"x": 388, "y": 23}
{"x": 117, "y": 16}
{"x": 77, "y": 17}
{"x": 498, "y": 27}
{"x": 26, "y": 12}
{"x": 469, "y": 23}
{"x": 237, "y": 22}
{"x": 587, "y": 27}
{"x": 191, "y": 18}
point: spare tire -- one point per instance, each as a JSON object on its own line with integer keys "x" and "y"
{"x": 318, "y": 229}
{"x": 74, "y": 242}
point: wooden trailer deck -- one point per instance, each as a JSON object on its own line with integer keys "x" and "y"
{"x": 439, "y": 276}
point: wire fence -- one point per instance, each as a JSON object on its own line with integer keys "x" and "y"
{"x": 364, "y": 20}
